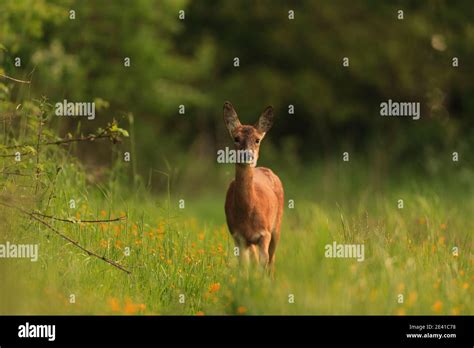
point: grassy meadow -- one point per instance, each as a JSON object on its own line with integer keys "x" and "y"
{"x": 176, "y": 251}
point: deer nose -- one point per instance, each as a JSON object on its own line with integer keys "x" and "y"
{"x": 247, "y": 144}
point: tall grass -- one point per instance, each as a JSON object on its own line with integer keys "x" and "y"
{"x": 182, "y": 260}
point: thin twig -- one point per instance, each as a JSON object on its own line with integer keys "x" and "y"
{"x": 40, "y": 129}
{"x": 13, "y": 173}
{"x": 14, "y": 155}
{"x": 13, "y": 79}
{"x": 72, "y": 241}
{"x": 91, "y": 137}
{"x": 51, "y": 184}
{"x": 78, "y": 220}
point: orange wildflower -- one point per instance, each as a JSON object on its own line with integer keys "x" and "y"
{"x": 160, "y": 229}
{"x": 241, "y": 310}
{"x": 412, "y": 296}
{"x": 441, "y": 240}
{"x": 401, "y": 287}
{"x": 132, "y": 308}
{"x": 214, "y": 287}
{"x": 114, "y": 304}
{"x": 401, "y": 311}
{"x": 437, "y": 306}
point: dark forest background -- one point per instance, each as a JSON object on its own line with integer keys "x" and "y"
{"x": 401, "y": 195}
{"x": 282, "y": 62}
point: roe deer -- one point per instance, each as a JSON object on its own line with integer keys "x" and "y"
{"x": 254, "y": 201}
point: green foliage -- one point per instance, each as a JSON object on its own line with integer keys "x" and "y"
{"x": 299, "y": 62}
{"x": 175, "y": 252}
{"x": 283, "y": 62}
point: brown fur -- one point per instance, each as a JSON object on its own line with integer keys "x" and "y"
{"x": 254, "y": 201}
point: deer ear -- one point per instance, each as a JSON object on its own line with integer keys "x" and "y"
{"x": 265, "y": 121}
{"x": 230, "y": 117}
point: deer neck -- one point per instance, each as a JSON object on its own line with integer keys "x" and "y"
{"x": 244, "y": 187}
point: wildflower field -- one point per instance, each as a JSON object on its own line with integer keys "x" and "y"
{"x": 111, "y": 123}
{"x": 170, "y": 251}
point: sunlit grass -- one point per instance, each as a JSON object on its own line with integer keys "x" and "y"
{"x": 183, "y": 263}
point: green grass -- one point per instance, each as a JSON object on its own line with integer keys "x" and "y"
{"x": 189, "y": 251}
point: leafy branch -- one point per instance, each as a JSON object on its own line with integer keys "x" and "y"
{"x": 112, "y": 132}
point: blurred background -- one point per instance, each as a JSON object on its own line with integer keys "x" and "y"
{"x": 182, "y": 54}
{"x": 282, "y": 62}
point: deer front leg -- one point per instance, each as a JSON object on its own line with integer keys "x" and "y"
{"x": 244, "y": 250}
{"x": 244, "y": 255}
{"x": 254, "y": 254}
{"x": 263, "y": 245}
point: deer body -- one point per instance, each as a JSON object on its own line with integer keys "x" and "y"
{"x": 254, "y": 201}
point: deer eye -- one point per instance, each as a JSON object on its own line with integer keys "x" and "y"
{"x": 257, "y": 141}
{"x": 237, "y": 140}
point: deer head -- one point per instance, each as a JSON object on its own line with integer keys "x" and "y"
{"x": 247, "y": 138}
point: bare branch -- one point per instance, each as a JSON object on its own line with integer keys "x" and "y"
{"x": 91, "y": 137}
{"x": 14, "y": 155}
{"x": 72, "y": 241}
{"x": 79, "y": 221}
{"x": 13, "y": 79}
{"x": 13, "y": 173}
